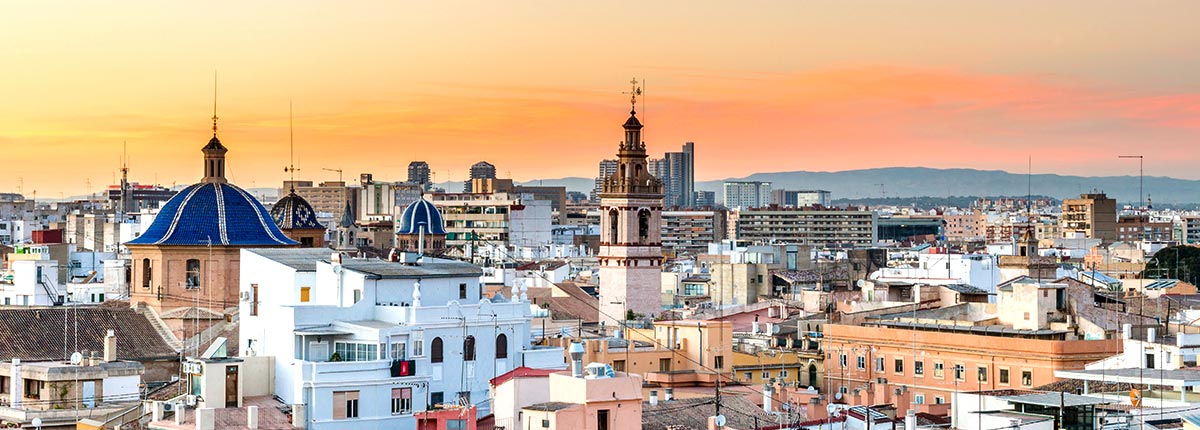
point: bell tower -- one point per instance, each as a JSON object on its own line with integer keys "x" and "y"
{"x": 631, "y": 203}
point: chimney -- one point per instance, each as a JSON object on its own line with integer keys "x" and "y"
{"x": 910, "y": 420}
{"x": 653, "y": 397}
{"x": 754, "y": 325}
{"x": 15, "y": 384}
{"x": 1151, "y": 334}
{"x": 110, "y": 347}
{"x": 768, "y": 392}
{"x": 670, "y": 394}
{"x": 576, "y": 352}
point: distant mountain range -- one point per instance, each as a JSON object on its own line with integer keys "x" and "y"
{"x": 920, "y": 181}
{"x": 926, "y": 182}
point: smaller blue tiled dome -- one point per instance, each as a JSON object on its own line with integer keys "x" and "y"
{"x": 421, "y": 215}
{"x": 293, "y": 212}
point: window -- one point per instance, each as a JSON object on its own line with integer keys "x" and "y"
{"x": 418, "y": 347}
{"x": 842, "y": 360}
{"x": 469, "y": 348}
{"x": 501, "y": 346}
{"x": 401, "y": 401}
{"x": 938, "y": 370}
{"x": 147, "y": 273}
{"x": 345, "y": 404}
{"x": 464, "y": 397}
{"x": 192, "y": 279}
{"x": 436, "y": 398}
{"x": 435, "y": 350}
{"x": 878, "y": 364}
{"x": 305, "y": 294}
{"x": 350, "y": 351}
{"x": 462, "y": 290}
{"x": 919, "y": 399}
{"x": 983, "y": 374}
{"x": 960, "y": 372}
{"x": 546, "y": 424}
{"x": 357, "y": 296}
{"x": 456, "y": 424}
{"x": 719, "y": 362}
{"x": 919, "y": 368}
{"x": 613, "y": 221}
{"x": 1027, "y": 378}
{"x": 899, "y": 366}
{"x": 766, "y": 374}
{"x": 939, "y": 400}
{"x": 643, "y": 226}
{"x": 749, "y": 376}
{"x": 1004, "y": 376}
{"x": 619, "y": 365}
{"x": 399, "y": 351}
{"x": 783, "y": 374}
{"x": 862, "y": 362}
{"x": 253, "y": 299}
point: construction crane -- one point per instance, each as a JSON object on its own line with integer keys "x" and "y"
{"x": 339, "y": 172}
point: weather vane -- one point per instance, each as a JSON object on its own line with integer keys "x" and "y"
{"x": 634, "y": 91}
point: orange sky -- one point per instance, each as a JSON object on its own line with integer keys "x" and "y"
{"x": 535, "y": 87}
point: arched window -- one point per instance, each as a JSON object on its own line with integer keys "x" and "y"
{"x": 643, "y": 226}
{"x": 613, "y": 221}
{"x": 435, "y": 350}
{"x": 501, "y": 346}
{"x": 193, "y": 274}
{"x": 147, "y": 273}
{"x": 469, "y": 348}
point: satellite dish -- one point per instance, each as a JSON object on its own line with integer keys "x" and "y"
{"x": 76, "y": 358}
{"x": 37, "y": 422}
{"x": 860, "y": 283}
{"x": 774, "y": 328}
{"x": 838, "y": 395}
{"x": 719, "y": 421}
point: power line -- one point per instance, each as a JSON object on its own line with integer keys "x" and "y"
{"x": 505, "y": 255}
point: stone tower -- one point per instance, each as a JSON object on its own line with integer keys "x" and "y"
{"x": 631, "y": 202}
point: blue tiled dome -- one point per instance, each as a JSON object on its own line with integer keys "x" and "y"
{"x": 421, "y": 215}
{"x": 293, "y": 212}
{"x": 218, "y": 212}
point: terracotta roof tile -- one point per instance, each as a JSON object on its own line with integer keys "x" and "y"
{"x": 38, "y": 334}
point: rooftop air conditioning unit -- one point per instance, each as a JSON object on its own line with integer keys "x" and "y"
{"x": 189, "y": 400}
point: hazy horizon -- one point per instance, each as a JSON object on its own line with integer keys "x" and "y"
{"x": 536, "y": 88}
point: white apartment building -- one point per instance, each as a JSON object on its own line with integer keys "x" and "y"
{"x": 747, "y": 194}
{"x": 498, "y": 218}
{"x": 409, "y": 336}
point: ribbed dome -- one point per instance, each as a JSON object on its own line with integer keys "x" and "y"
{"x": 293, "y": 212}
{"x": 213, "y": 213}
{"x": 421, "y": 215}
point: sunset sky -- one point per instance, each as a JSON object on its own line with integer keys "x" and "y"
{"x": 535, "y": 87}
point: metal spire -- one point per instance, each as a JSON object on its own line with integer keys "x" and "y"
{"x": 291, "y": 168}
{"x": 214, "y": 117}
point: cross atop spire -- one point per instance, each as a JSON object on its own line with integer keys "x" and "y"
{"x": 634, "y": 91}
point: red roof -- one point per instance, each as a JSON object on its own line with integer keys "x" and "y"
{"x": 522, "y": 372}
